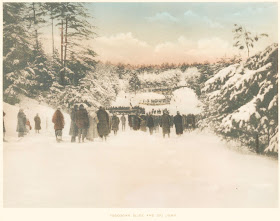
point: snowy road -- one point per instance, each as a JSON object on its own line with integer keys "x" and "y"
{"x": 135, "y": 169}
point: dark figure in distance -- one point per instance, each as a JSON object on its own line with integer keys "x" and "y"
{"x": 103, "y": 123}
{"x": 123, "y": 120}
{"x": 115, "y": 123}
{"x": 165, "y": 123}
{"x": 178, "y": 121}
{"x": 82, "y": 122}
{"x": 150, "y": 123}
{"x": 37, "y": 120}
{"x": 73, "y": 127}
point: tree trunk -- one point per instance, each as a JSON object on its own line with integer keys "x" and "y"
{"x": 61, "y": 53}
{"x": 62, "y": 71}
{"x": 65, "y": 42}
{"x": 35, "y": 25}
{"x": 52, "y": 33}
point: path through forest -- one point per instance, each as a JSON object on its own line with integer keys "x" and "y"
{"x": 134, "y": 169}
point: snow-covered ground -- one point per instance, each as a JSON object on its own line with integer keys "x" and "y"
{"x": 132, "y": 169}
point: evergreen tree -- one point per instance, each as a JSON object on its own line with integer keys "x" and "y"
{"x": 17, "y": 50}
{"x": 241, "y": 99}
{"x": 134, "y": 83}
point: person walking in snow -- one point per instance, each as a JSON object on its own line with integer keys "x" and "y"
{"x": 73, "y": 127}
{"x": 143, "y": 123}
{"x": 115, "y": 123}
{"x": 21, "y": 123}
{"x": 156, "y": 123}
{"x": 37, "y": 120}
{"x": 103, "y": 123}
{"x": 130, "y": 121}
{"x": 150, "y": 123}
{"x": 165, "y": 124}
{"x": 136, "y": 122}
{"x": 92, "y": 130}
{"x": 82, "y": 122}
{"x": 178, "y": 121}
{"x": 58, "y": 120}
{"x": 123, "y": 120}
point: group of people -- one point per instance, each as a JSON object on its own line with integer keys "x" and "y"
{"x": 92, "y": 124}
{"x": 165, "y": 121}
{"x": 87, "y": 124}
{"x": 23, "y": 123}
{"x": 126, "y": 109}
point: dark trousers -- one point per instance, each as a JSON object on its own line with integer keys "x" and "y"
{"x": 82, "y": 132}
{"x": 58, "y": 135}
{"x": 151, "y": 129}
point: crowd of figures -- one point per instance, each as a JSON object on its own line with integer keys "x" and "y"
{"x": 121, "y": 109}
{"x": 165, "y": 121}
{"x": 23, "y": 124}
{"x": 92, "y": 124}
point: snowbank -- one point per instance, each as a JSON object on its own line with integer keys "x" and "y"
{"x": 185, "y": 101}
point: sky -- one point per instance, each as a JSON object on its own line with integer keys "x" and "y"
{"x": 154, "y": 33}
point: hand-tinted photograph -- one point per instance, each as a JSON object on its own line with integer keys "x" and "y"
{"x": 140, "y": 105}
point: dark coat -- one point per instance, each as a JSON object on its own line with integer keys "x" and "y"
{"x": 73, "y": 127}
{"x": 130, "y": 120}
{"x": 165, "y": 123}
{"x": 156, "y": 121}
{"x": 21, "y": 125}
{"x": 178, "y": 121}
{"x": 136, "y": 122}
{"x": 37, "y": 123}
{"x": 58, "y": 120}
{"x": 115, "y": 123}
{"x": 103, "y": 122}
{"x": 150, "y": 121}
{"x": 143, "y": 123}
{"x": 82, "y": 120}
{"x": 123, "y": 119}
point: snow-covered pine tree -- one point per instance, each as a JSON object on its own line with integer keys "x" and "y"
{"x": 17, "y": 49}
{"x": 241, "y": 100}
